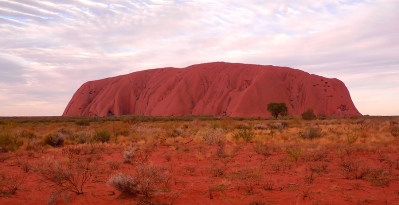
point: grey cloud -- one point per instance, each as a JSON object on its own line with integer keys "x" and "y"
{"x": 68, "y": 42}
{"x": 27, "y": 9}
{"x": 11, "y": 72}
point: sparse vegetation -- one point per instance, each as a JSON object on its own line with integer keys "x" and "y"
{"x": 10, "y": 183}
{"x": 245, "y": 134}
{"x": 277, "y": 108}
{"x": 147, "y": 180}
{"x": 135, "y": 155}
{"x": 8, "y": 140}
{"x": 308, "y": 114}
{"x": 54, "y": 139}
{"x": 102, "y": 136}
{"x": 154, "y": 160}
{"x": 394, "y": 128}
{"x": 71, "y": 175}
{"x": 311, "y": 132}
{"x": 127, "y": 185}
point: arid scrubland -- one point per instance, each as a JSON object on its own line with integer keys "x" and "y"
{"x": 199, "y": 160}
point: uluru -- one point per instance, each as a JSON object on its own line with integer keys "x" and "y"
{"x": 216, "y": 89}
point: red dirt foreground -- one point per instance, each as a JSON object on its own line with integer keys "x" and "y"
{"x": 217, "y": 89}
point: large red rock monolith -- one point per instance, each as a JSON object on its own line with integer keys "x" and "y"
{"x": 218, "y": 89}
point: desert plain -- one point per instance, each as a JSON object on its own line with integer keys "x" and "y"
{"x": 199, "y": 160}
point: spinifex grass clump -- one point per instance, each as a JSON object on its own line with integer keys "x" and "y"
{"x": 102, "y": 136}
{"x": 8, "y": 140}
{"x": 311, "y": 132}
{"x": 245, "y": 134}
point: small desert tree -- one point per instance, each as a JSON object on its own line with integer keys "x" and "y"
{"x": 277, "y": 108}
{"x": 308, "y": 114}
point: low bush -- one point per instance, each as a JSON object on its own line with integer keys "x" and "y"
{"x": 316, "y": 155}
{"x": 280, "y": 126}
{"x": 10, "y": 183}
{"x": 394, "y": 129}
{"x": 217, "y": 169}
{"x": 260, "y": 127}
{"x": 268, "y": 184}
{"x": 122, "y": 131}
{"x": 311, "y": 132}
{"x": 217, "y": 187}
{"x": 245, "y": 134}
{"x": 71, "y": 175}
{"x": 148, "y": 181}
{"x": 72, "y": 152}
{"x": 135, "y": 155}
{"x": 213, "y": 136}
{"x": 352, "y": 136}
{"x": 82, "y": 122}
{"x": 247, "y": 177}
{"x": 294, "y": 152}
{"x": 350, "y": 165}
{"x": 262, "y": 149}
{"x": 308, "y": 114}
{"x": 242, "y": 126}
{"x": 9, "y": 142}
{"x": 54, "y": 139}
{"x": 27, "y": 134}
{"x": 82, "y": 137}
{"x": 378, "y": 177}
{"x": 101, "y": 136}
{"x": 127, "y": 185}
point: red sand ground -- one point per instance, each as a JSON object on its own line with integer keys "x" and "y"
{"x": 190, "y": 165}
{"x": 218, "y": 89}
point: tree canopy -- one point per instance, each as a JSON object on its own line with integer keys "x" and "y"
{"x": 308, "y": 114}
{"x": 277, "y": 108}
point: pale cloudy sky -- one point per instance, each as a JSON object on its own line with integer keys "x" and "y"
{"x": 49, "y": 48}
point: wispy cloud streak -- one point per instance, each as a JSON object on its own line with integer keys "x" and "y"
{"x": 49, "y": 48}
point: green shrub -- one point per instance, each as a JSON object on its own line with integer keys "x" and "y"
{"x": 27, "y": 134}
{"x": 352, "y": 136}
{"x": 308, "y": 114}
{"x": 82, "y": 137}
{"x": 277, "y": 108}
{"x": 242, "y": 126}
{"x": 102, "y": 136}
{"x": 245, "y": 134}
{"x": 82, "y": 122}
{"x": 9, "y": 142}
{"x": 295, "y": 152}
{"x": 123, "y": 131}
{"x": 264, "y": 150}
{"x": 54, "y": 139}
{"x": 311, "y": 132}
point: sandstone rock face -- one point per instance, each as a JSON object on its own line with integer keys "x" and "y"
{"x": 218, "y": 89}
